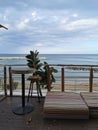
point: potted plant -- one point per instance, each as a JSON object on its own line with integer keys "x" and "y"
{"x": 33, "y": 61}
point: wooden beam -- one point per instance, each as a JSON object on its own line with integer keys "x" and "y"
{"x": 62, "y": 78}
{"x": 91, "y": 80}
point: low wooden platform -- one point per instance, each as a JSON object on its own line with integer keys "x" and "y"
{"x": 67, "y": 105}
{"x": 91, "y": 99}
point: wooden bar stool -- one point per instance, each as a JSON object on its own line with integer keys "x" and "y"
{"x": 34, "y": 79}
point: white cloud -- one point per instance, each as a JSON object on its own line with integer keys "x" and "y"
{"x": 81, "y": 24}
{"x": 48, "y": 25}
{"x": 34, "y": 15}
{"x": 39, "y": 44}
{"x": 23, "y": 24}
{"x": 75, "y": 15}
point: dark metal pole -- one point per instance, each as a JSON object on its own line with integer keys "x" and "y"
{"x": 23, "y": 90}
{"x": 5, "y": 81}
{"x": 10, "y": 81}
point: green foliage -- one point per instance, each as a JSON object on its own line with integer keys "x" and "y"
{"x": 33, "y": 61}
{"x": 43, "y": 74}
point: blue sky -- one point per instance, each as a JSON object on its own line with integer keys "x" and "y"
{"x": 49, "y": 26}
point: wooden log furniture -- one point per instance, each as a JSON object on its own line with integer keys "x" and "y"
{"x": 71, "y": 105}
{"x": 67, "y": 105}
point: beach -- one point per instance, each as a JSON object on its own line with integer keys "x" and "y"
{"x": 75, "y": 86}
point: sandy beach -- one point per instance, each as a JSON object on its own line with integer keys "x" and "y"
{"x": 76, "y": 87}
{"x": 69, "y": 86}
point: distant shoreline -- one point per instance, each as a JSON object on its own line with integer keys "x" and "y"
{"x": 19, "y": 58}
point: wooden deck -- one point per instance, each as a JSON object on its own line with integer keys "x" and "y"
{"x": 35, "y": 120}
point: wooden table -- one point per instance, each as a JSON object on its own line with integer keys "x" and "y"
{"x": 23, "y": 108}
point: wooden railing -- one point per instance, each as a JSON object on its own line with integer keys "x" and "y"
{"x": 90, "y": 67}
{"x": 63, "y": 77}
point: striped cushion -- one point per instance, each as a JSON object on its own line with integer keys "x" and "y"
{"x": 91, "y": 100}
{"x": 66, "y": 105}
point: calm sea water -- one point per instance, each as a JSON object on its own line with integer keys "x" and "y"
{"x": 84, "y": 59}
{"x": 91, "y": 59}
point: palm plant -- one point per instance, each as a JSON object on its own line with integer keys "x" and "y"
{"x": 33, "y": 61}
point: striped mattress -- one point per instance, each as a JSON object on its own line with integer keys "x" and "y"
{"x": 91, "y": 99}
{"x": 66, "y": 105}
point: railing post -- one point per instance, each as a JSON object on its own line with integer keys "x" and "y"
{"x": 5, "y": 90}
{"x": 91, "y": 80}
{"x": 48, "y": 80}
{"x": 10, "y": 81}
{"x": 62, "y": 79}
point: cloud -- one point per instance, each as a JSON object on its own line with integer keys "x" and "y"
{"x": 82, "y": 24}
{"x": 51, "y": 26}
{"x": 39, "y": 44}
{"x": 23, "y": 24}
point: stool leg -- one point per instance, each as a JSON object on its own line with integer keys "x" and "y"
{"x": 30, "y": 91}
{"x": 31, "y": 88}
{"x": 37, "y": 86}
{"x": 38, "y": 90}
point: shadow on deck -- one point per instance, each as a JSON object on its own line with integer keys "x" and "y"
{"x": 35, "y": 120}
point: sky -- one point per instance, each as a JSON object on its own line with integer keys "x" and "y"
{"x": 49, "y": 26}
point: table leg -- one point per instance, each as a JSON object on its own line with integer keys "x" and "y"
{"x": 23, "y": 90}
{"x": 23, "y": 109}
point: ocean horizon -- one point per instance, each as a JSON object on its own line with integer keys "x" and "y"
{"x": 84, "y": 59}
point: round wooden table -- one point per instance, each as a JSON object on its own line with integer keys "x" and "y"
{"x": 23, "y": 108}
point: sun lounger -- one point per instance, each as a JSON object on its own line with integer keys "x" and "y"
{"x": 65, "y": 105}
{"x": 91, "y": 100}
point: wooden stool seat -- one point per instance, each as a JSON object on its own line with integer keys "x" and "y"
{"x": 34, "y": 79}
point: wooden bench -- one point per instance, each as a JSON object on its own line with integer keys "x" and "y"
{"x": 67, "y": 105}
{"x": 91, "y": 99}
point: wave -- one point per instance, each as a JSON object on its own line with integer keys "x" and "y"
{"x": 19, "y": 58}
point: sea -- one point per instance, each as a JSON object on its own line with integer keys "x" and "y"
{"x": 77, "y": 59}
